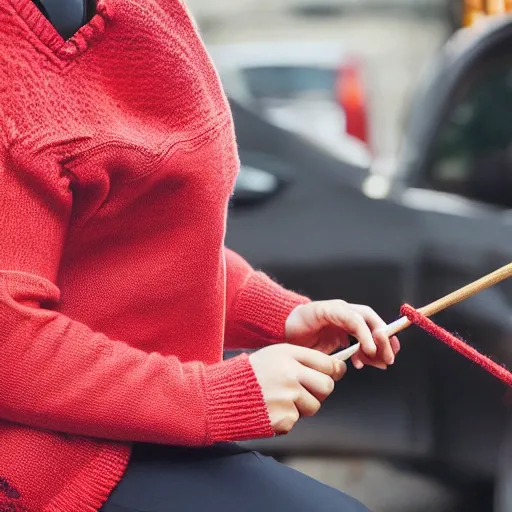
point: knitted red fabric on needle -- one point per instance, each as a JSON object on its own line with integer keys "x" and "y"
{"x": 456, "y": 344}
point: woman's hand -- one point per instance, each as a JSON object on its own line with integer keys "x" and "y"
{"x": 294, "y": 382}
{"x": 326, "y": 325}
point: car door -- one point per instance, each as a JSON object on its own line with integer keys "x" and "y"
{"x": 301, "y": 216}
{"x": 460, "y": 181}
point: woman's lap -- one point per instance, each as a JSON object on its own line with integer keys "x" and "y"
{"x": 220, "y": 479}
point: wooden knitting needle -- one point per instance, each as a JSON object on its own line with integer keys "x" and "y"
{"x": 439, "y": 305}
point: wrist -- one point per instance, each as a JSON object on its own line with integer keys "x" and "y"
{"x": 236, "y": 407}
{"x": 262, "y": 310}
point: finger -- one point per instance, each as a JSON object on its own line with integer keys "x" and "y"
{"x": 287, "y": 420}
{"x": 343, "y": 315}
{"x": 307, "y": 404}
{"x": 341, "y": 370}
{"x": 359, "y": 361}
{"x": 385, "y": 350}
{"x": 359, "y": 329}
{"x": 376, "y": 323}
{"x": 395, "y": 345}
{"x": 316, "y": 383}
{"x": 315, "y": 360}
{"x": 377, "y": 326}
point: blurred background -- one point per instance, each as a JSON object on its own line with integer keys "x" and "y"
{"x": 387, "y": 41}
{"x": 374, "y": 138}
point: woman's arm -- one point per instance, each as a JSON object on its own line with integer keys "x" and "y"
{"x": 58, "y": 374}
{"x": 260, "y": 312}
{"x": 256, "y": 306}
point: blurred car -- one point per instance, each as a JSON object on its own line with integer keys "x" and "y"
{"x": 436, "y": 220}
{"x": 312, "y": 88}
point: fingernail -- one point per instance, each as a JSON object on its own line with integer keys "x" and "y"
{"x": 381, "y": 366}
{"x": 358, "y": 365}
{"x": 391, "y": 360}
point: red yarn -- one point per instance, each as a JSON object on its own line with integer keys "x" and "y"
{"x": 456, "y": 344}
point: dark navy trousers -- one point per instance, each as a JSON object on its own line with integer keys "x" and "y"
{"x": 224, "y": 478}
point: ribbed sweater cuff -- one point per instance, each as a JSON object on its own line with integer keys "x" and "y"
{"x": 263, "y": 307}
{"x": 236, "y": 408}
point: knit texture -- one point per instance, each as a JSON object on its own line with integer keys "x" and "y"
{"x": 117, "y": 296}
{"x": 457, "y": 344}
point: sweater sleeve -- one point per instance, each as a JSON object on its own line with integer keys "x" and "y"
{"x": 58, "y": 374}
{"x": 256, "y": 307}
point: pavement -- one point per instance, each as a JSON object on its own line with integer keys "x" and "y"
{"x": 381, "y": 486}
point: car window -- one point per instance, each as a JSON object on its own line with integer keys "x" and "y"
{"x": 290, "y": 82}
{"x": 472, "y": 154}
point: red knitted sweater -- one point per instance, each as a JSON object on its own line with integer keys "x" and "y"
{"x": 117, "y": 297}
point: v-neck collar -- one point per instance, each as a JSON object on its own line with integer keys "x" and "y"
{"x": 44, "y": 30}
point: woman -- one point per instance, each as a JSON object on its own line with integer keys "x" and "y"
{"x": 117, "y": 296}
